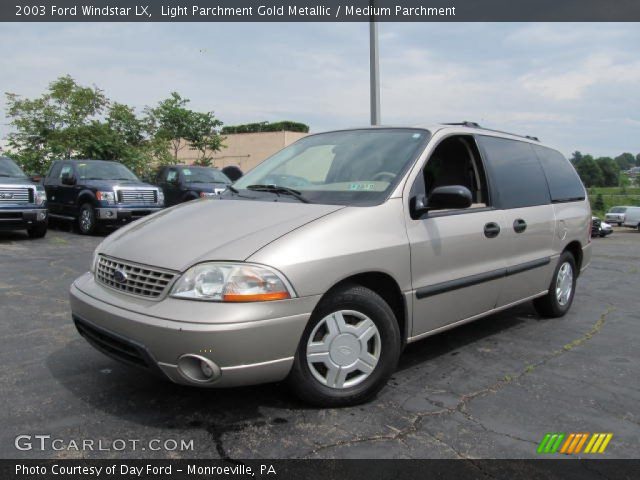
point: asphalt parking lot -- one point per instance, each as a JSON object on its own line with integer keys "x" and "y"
{"x": 489, "y": 389}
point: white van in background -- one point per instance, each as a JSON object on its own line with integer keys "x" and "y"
{"x": 632, "y": 217}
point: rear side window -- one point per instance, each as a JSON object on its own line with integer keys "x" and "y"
{"x": 564, "y": 182}
{"x": 517, "y": 176}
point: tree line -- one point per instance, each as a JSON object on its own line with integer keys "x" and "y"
{"x": 604, "y": 171}
{"x": 71, "y": 120}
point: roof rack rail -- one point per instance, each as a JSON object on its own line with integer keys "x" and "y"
{"x": 465, "y": 124}
{"x": 477, "y": 125}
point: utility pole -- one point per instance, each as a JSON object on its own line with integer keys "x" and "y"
{"x": 374, "y": 70}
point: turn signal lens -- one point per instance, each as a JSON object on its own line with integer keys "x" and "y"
{"x": 225, "y": 282}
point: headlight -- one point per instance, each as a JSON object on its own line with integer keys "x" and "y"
{"x": 41, "y": 196}
{"x": 229, "y": 282}
{"x": 94, "y": 260}
{"x": 108, "y": 197}
{"x": 160, "y": 197}
{"x": 208, "y": 194}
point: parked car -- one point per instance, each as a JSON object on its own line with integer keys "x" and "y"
{"x": 615, "y": 215}
{"x": 600, "y": 228}
{"x": 632, "y": 217}
{"x": 94, "y": 193}
{"x": 23, "y": 203}
{"x": 392, "y": 235}
{"x": 182, "y": 183}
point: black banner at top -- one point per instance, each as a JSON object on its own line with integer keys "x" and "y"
{"x": 320, "y": 10}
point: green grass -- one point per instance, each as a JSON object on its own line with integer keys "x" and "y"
{"x": 613, "y": 197}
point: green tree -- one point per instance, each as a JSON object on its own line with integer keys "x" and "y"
{"x": 610, "y": 171}
{"x": 204, "y": 136}
{"x": 171, "y": 121}
{"x": 638, "y": 160}
{"x": 589, "y": 171}
{"x": 576, "y": 157}
{"x": 181, "y": 127}
{"x": 53, "y": 124}
{"x": 625, "y": 161}
{"x": 598, "y": 205}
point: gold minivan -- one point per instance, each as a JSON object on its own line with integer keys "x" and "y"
{"x": 321, "y": 263}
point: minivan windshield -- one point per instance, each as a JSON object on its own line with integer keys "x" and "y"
{"x": 8, "y": 168}
{"x": 204, "y": 175}
{"x": 351, "y": 167}
{"x": 618, "y": 210}
{"x": 104, "y": 170}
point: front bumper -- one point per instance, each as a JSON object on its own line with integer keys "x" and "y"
{"x": 124, "y": 214}
{"x": 251, "y": 343}
{"x": 20, "y": 218}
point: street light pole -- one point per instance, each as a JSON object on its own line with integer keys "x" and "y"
{"x": 374, "y": 70}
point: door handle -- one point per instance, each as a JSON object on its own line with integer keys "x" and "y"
{"x": 519, "y": 225}
{"x": 491, "y": 230}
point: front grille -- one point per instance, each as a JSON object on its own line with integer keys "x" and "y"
{"x": 112, "y": 345}
{"x": 133, "y": 279}
{"x": 15, "y": 195}
{"x": 138, "y": 197}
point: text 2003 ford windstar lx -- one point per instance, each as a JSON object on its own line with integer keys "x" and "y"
{"x": 321, "y": 263}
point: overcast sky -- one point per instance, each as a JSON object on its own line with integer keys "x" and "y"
{"x": 576, "y": 86}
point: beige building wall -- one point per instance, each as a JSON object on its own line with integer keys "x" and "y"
{"x": 245, "y": 150}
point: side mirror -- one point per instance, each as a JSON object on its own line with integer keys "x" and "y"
{"x": 68, "y": 179}
{"x": 447, "y": 197}
{"x": 450, "y": 196}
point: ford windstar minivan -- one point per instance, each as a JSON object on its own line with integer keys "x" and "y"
{"x": 321, "y": 263}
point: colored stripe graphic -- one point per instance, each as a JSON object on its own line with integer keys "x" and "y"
{"x": 550, "y": 443}
{"x": 598, "y": 442}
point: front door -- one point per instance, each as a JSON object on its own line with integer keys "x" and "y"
{"x": 458, "y": 257}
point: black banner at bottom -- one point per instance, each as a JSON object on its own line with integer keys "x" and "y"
{"x": 564, "y": 468}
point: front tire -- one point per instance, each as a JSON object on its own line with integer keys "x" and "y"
{"x": 348, "y": 351}
{"x": 558, "y": 300}
{"x": 38, "y": 231}
{"x": 87, "y": 219}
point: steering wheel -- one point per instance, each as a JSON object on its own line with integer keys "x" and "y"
{"x": 381, "y": 176}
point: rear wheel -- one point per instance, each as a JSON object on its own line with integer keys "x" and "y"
{"x": 87, "y": 219}
{"x": 348, "y": 351}
{"x": 38, "y": 231}
{"x": 561, "y": 291}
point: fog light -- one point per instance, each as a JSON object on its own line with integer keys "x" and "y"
{"x": 109, "y": 214}
{"x": 206, "y": 369}
{"x": 42, "y": 216}
{"x": 196, "y": 368}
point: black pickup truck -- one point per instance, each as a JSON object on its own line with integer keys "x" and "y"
{"x": 182, "y": 183}
{"x": 23, "y": 203}
{"x": 98, "y": 192}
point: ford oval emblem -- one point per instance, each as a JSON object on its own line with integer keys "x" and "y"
{"x": 344, "y": 350}
{"x": 120, "y": 276}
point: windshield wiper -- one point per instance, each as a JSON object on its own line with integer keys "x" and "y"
{"x": 277, "y": 189}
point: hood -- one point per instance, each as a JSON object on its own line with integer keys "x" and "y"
{"x": 17, "y": 181}
{"x": 206, "y": 187}
{"x": 202, "y": 230}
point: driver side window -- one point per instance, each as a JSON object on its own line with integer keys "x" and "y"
{"x": 456, "y": 161}
{"x": 66, "y": 170}
{"x": 172, "y": 176}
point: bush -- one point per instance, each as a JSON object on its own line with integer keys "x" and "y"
{"x": 266, "y": 127}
